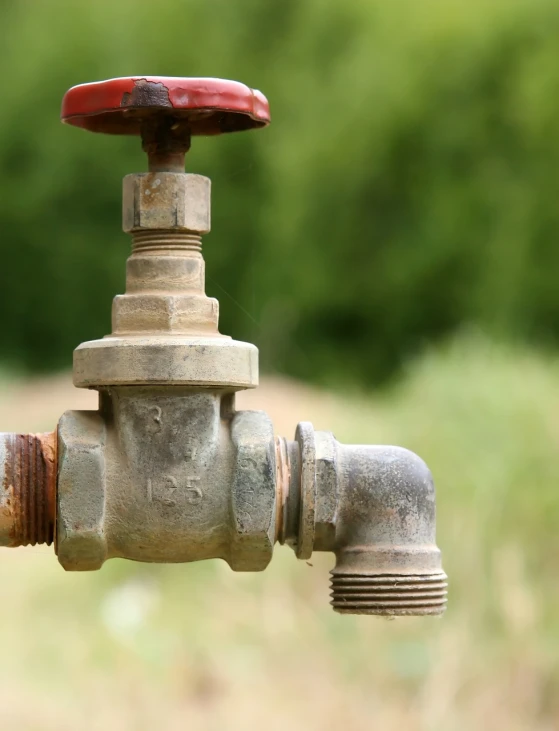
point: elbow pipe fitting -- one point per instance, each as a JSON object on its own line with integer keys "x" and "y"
{"x": 374, "y": 507}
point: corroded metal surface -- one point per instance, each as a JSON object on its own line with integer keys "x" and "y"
{"x": 27, "y": 488}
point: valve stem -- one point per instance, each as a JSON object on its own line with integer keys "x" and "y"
{"x": 166, "y": 140}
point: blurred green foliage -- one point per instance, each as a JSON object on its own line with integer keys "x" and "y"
{"x": 145, "y": 647}
{"x": 407, "y": 185}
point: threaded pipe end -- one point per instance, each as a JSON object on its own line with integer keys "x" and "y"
{"x": 159, "y": 242}
{"x": 27, "y": 488}
{"x": 389, "y": 594}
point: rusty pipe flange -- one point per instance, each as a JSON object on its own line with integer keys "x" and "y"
{"x": 27, "y": 488}
{"x": 304, "y": 436}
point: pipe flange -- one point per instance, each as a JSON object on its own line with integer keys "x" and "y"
{"x": 304, "y": 435}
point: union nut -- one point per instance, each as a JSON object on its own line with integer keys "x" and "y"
{"x": 166, "y": 201}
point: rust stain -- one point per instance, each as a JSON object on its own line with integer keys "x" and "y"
{"x": 48, "y": 442}
{"x": 146, "y": 94}
{"x": 28, "y": 496}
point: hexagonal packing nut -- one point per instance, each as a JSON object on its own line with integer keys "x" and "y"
{"x": 253, "y": 494}
{"x": 166, "y": 201}
{"x": 80, "y": 543}
{"x": 169, "y": 313}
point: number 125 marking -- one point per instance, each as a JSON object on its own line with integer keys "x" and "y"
{"x": 166, "y": 495}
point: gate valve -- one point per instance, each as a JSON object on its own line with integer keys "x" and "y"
{"x": 167, "y": 470}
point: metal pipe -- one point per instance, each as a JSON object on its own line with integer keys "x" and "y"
{"x": 27, "y": 488}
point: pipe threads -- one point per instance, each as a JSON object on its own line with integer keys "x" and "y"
{"x": 161, "y": 242}
{"x": 28, "y": 489}
{"x": 389, "y": 594}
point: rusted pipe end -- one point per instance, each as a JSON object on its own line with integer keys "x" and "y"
{"x": 27, "y": 488}
{"x": 389, "y": 594}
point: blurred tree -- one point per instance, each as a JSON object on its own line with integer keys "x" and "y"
{"x": 406, "y": 186}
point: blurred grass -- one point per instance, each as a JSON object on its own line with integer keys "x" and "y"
{"x": 199, "y": 647}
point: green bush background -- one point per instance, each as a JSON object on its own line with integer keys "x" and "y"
{"x": 406, "y": 187}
